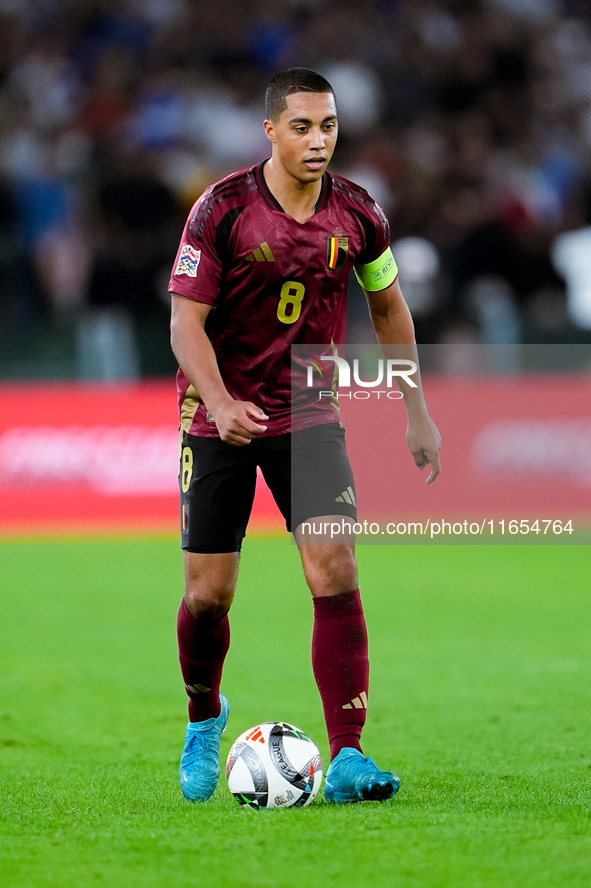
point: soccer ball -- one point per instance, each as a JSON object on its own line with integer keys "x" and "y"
{"x": 274, "y": 765}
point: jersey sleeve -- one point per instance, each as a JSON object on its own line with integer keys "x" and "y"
{"x": 376, "y": 267}
{"x": 197, "y": 268}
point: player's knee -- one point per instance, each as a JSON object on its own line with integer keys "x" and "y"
{"x": 208, "y": 603}
{"x": 210, "y": 582}
{"x": 331, "y": 570}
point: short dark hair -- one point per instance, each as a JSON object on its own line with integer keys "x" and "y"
{"x": 293, "y": 80}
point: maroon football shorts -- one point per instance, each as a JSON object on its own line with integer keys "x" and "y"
{"x": 308, "y": 473}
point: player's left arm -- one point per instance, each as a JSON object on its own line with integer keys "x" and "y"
{"x": 393, "y": 324}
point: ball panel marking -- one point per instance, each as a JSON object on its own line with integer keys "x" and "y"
{"x": 249, "y": 783}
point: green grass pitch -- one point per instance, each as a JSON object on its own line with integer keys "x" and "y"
{"x": 480, "y": 699}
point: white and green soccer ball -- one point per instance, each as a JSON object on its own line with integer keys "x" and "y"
{"x": 274, "y": 765}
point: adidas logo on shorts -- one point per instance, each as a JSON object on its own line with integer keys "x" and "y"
{"x": 347, "y": 496}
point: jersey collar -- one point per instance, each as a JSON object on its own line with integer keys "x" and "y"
{"x": 321, "y": 203}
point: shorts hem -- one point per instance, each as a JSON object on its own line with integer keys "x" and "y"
{"x": 212, "y": 550}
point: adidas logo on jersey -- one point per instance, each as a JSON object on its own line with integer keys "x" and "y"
{"x": 347, "y": 496}
{"x": 263, "y": 254}
{"x": 359, "y": 702}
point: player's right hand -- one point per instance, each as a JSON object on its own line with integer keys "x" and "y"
{"x": 236, "y": 422}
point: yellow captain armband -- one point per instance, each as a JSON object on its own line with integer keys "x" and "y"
{"x": 379, "y": 274}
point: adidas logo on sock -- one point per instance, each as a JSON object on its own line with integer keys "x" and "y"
{"x": 197, "y": 689}
{"x": 347, "y": 496}
{"x": 262, "y": 255}
{"x": 359, "y": 702}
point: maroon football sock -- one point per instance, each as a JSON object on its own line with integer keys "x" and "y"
{"x": 341, "y": 667}
{"x": 203, "y": 645}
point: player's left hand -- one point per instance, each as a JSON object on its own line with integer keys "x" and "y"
{"x": 424, "y": 442}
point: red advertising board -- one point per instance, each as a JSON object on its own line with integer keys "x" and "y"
{"x": 78, "y": 457}
{"x": 512, "y": 447}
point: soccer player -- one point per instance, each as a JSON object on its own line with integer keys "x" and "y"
{"x": 263, "y": 264}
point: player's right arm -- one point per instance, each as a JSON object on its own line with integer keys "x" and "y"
{"x": 236, "y": 421}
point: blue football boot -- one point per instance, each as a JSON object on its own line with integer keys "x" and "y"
{"x": 200, "y": 761}
{"x": 352, "y": 777}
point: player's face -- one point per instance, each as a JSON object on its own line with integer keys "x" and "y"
{"x": 305, "y": 135}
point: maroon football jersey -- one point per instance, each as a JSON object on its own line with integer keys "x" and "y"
{"x": 272, "y": 282}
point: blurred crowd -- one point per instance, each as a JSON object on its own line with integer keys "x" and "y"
{"x": 468, "y": 120}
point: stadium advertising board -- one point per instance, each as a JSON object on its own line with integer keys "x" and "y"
{"x": 76, "y": 458}
{"x": 515, "y": 445}
{"x": 79, "y": 457}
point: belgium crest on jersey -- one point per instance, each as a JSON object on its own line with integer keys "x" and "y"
{"x": 336, "y": 250}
